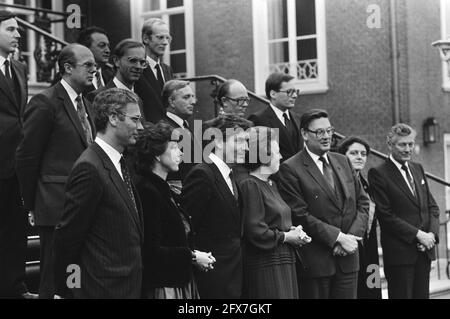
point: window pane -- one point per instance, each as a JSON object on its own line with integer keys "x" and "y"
{"x": 178, "y": 62}
{"x": 174, "y": 3}
{"x": 306, "y": 17}
{"x": 278, "y": 52}
{"x": 278, "y": 27}
{"x": 307, "y": 49}
{"x": 149, "y": 5}
{"x": 177, "y": 32}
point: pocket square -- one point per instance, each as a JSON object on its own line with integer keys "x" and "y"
{"x": 422, "y": 182}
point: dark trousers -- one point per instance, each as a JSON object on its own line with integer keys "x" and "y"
{"x": 13, "y": 240}
{"x": 339, "y": 286}
{"x": 409, "y": 281}
{"x": 47, "y": 265}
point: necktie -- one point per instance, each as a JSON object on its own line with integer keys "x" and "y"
{"x": 410, "y": 179}
{"x": 81, "y": 111}
{"x": 159, "y": 75}
{"x": 327, "y": 172}
{"x": 127, "y": 180}
{"x": 8, "y": 74}
{"x": 233, "y": 184}
{"x": 186, "y": 125}
{"x": 98, "y": 79}
{"x": 290, "y": 128}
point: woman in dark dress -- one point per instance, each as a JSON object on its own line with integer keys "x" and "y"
{"x": 270, "y": 238}
{"x": 357, "y": 150}
{"x": 168, "y": 256}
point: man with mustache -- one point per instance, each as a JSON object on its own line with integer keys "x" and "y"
{"x": 327, "y": 199}
{"x": 408, "y": 216}
{"x": 58, "y": 127}
{"x": 156, "y": 38}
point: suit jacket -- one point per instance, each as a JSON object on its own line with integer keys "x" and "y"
{"x": 100, "y": 231}
{"x": 149, "y": 90}
{"x": 218, "y": 228}
{"x": 167, "y": 253}
{"x": 11, "y": 118}
{"x": 314, "y": 206}
{"x": 268, "y": 118}
{"x": 401, "y": 214}
{"x": 53, "y": 140}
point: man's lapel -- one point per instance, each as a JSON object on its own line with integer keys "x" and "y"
{"x": 400, "y": 181}
{"x": 4, "y": 86}
{"x": 418, "y": 180}
{"x": 22, "y": 84}
{"x": 275, "y": 122}
{"x": 225, "y": 191}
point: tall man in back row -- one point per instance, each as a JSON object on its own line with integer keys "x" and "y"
{"x": 327, "y": 199}
{"x": 408, "y": 215}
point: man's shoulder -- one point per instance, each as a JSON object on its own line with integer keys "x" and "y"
{"x": 260, "y": 115}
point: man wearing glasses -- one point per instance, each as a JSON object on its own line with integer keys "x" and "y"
{"x": 282, "y": 92}
{"x": 58, "y": 127}
{"x": 327, "y": 199}
{"x": 156, "y": 38}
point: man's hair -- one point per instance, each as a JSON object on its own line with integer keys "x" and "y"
{"x": 111, "y": 101}
{"x": 227, "y": 122}
{"x": 399, "y": 130}
{"x": 310, "y": 116}
{"x": 147, "y": 28}
{"x": 84, "y": 38}
{"x": 169, "y": 88}
{"x": 349, "y": 141}
{"x": 6, "y": 15}
{"x": 124, "y": 45}
{"x": 152, "y": 142}
{"x": 275, "y": 80}
{"x": 260, "y": 147}
{"x": 224, "y": 90}
{"x": 67, "y": 55}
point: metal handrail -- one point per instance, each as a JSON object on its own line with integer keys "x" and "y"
{"x": 214, "y": 77}
{"x": 41, "y": 31}
{"x": 22, "y": 7}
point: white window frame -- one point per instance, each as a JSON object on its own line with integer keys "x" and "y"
{"x": 261, "y": 47}
{"x": 445, "y": 34}
{"x": 447, "y": 168}
{"x": 138, "y": 17}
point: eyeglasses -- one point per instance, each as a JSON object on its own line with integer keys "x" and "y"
{"x": 291, "y": 92}
{"x": 162, "y": 37}
{"x": 88, "y": 65}
{"x": 136, "y": 119}
{"x": 240, "y": 101}
{"x": 321, "y": 132}
{"x": 142, "y": 62}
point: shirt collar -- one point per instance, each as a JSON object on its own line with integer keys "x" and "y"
{"x": 2, "y": 61}
{"x": 152, "y": 62}
{"x": 221, "y": 165}
{"x": 399, "y": 166}
{"x": 72, "y": 94}
{"x": 120, "y": 85}
{"x": 316, "y": 157}
{"x": 175, "y": 118}
{"x": 279, "y": 113}
{"x": 112, "y": 153}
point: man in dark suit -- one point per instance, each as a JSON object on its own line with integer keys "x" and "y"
{"x": 101, "y": 228}
{"x": 282, "y": 92}
{"x": 211, "y": 197}
{"x": 408, "y": 216}
{"x": 328, "y": 200}
{"x": 58, "y": 127}
{"x": 180, "y": 101}
{"x": 129, "y": 61}
{"x": 156, "y": 38}
{"x": 232, "y": 98}
{"x": 13, "y": 98}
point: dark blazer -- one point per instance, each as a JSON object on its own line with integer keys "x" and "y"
{"x": 314, "y": 206}
{"x": 100, "y": 231}
{"x": 167, "y": 255}
{"x": 53, "y": 140}
{"x": 11, "y": 118}
{"x": 400, "y": 214}
{"x": 149, "y": 90}
{"x": 268, "y": 118}
{"x": 218, "y": 228}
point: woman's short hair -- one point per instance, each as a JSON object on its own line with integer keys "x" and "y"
{"x": 152, "y": 142}
{"x": 259, "y": 151}
{"x": 349, "y": 141}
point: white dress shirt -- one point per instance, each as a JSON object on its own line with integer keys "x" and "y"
{"x": 112, "y": 153}
{"x": 95, "y": 83}
{"x": 279, "y": 113}
{"x": 71, "y": 92}
{"x": 399, "y": 166}
{"x": 2, "y": 65}
{"x": 152, "y": 64}
{"x": 176, "y": 119}
{"x": 316, "y": 160}
{"x": 223, "y": 168}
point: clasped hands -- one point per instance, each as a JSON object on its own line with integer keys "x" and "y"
{"x": 296, "y": 236}
{"x": 346, "y": 244}
{"x": 204, "y": 261}
{"x": 426, "y": 241}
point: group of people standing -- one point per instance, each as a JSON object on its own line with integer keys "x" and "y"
{"x": 267, "y": 211}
